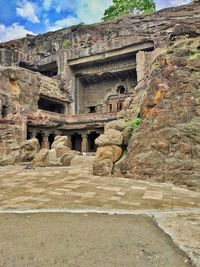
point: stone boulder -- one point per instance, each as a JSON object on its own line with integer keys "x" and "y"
{"x": 118, "y": 125}
{"x": 110, "y": 137}
{"x": 113, "y": 153}
{"x": 11, "y": 159}
{"x": 61, "y": 150}
{"x": 102, "y": 167}
{"x": 29, "y": 149}
{"x": 58, "y": 155}
{"x": 60, "y": 141}
{"x": 82, "y": 161}
{"x": 40, "y": 158}
{"x": 52, "y": 159}
{"x": 66, "y": 159}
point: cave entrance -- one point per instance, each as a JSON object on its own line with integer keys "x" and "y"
{"x": 51, "y": 139}
{"x": 51, "y": 105}
{"x": 76, "y": 140}
{"x": 49, "y": 70}
{"x": 92, "y": 147}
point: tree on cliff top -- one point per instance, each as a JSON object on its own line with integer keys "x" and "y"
{"x": 121, "y": 7}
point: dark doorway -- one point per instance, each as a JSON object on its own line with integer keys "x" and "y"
{"x": 50, "y": 105}
{"x": 4, "y": 111}
{"x": 29, "y": 135}
{"x": 39, "y": 136}
{"x": 51, "y": 139}
{"x": 92, "y": 147}
{"x": 76, "y": 141}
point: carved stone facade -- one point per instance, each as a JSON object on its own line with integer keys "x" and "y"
{"x": 73, "y": 81}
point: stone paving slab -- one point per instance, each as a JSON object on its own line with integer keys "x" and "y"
{"x": 70, "y": 187}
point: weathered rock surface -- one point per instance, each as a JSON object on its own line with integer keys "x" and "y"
{"x": 118, "y": 125}
{"x": 58, "y": 155}
{"x": 166, "y": 146}
{"x": 110, "y": 137}
{"x": 112, "y": 153}
{"x": 29, "y": 149}
{"x": 40, "y": 158}
{"x": 102, "y": 167}
{"x": 84, "y": 161}
{"x": 60, "y": 141}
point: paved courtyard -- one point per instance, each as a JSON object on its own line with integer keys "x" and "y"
{"x": 76, "y": 187}
{"x": 61, "y": 191}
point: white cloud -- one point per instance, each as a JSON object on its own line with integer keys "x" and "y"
{"x": 27, "y": 10}
{"x": 87, "y": 11}
{"x": 179, "y": 2}
{"x": 47, "y": 4}
{"x": 63, "y": 23}
{"x": 60, "y": 5}
{"x": 90, "y": 11}
{"x": 14, "y": 31}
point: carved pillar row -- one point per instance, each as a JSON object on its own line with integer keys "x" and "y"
{"x": 84, "y": 145}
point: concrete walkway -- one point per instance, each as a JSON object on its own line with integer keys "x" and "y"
{"x": 70, "y": 187}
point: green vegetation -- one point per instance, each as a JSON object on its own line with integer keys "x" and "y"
{"x": 121, "y": 7}
{"x": 66, "y": 44}
{"x": 134, "y": 123}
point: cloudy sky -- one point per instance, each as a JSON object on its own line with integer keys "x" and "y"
{"x": 19, "y": 17}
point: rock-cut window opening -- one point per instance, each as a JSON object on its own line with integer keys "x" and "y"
{"x": 51, "y": 105}
{"x": 121, "y": 89}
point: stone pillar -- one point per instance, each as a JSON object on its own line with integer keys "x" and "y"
{"x": 84, "y": 145}
{"x": 45, "y": 141}
{"x": 34, "y": 133}
{"x": 69, "y": 141}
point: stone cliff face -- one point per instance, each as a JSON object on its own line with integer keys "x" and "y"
{"x": 84, "y": 40}
{"x": 166, "y": 145}
{"x": 20, "y": 90}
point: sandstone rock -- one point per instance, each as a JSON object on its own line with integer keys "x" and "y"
{"x": 102, "y": 167}
{"x": 118, "y": 125}
{"x": 110, "y": 137}
{"x": 127, "y": 134}
{"x": 40, "y": 158}
{"x": 66, "y": 159}
{"x": 60, "y": 141}
{"x": 113, "y": 153}
{"x": 11, "y": 159}
{"x": 29, "y": 149}
{"x": 166, "y": 146}
{"x": 61, "y": 150}
{"x": 51, "y": 159}
{"x": 83, "y": 161}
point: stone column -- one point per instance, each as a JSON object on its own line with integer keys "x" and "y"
{"x": 69, "y": 141}
{"x": 34, "y": 134}
{"x": 45, "y": 141}
{"x": 84, "y": 145}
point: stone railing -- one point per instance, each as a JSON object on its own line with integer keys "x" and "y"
{"x": 43, "y": 117}
{"x": 91, "y": 117}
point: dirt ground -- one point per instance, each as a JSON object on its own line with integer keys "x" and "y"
{"x": 85, "y": 240}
